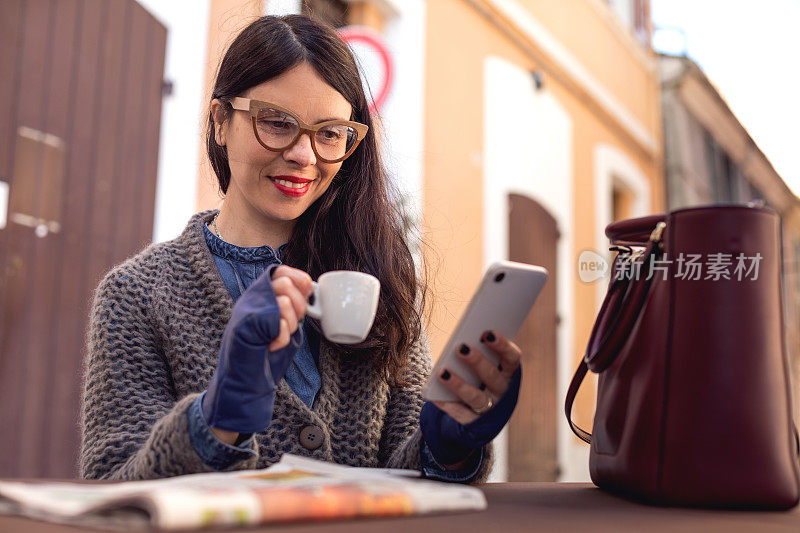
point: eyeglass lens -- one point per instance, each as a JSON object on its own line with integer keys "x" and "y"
{"x": 277, "y": 130}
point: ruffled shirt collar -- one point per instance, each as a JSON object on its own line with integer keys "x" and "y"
{"x": 242, "y": 254}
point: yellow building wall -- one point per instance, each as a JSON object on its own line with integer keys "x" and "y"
{"x": 458, "y": 39}
{"x": 456, "y": 42}
{"x": 226, "y": 18}
{"x": 606, "y": 48}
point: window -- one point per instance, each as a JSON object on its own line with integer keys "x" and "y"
{"x": 635, "y": 15}
{"x": 720, "y": 168}
{"x": 622, "y": 199}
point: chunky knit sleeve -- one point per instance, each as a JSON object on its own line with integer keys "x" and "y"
{"x": 401, "y": 439}
{"x": 133, "y": 425}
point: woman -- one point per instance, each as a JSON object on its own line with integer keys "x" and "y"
{"x": 182, "y": 380}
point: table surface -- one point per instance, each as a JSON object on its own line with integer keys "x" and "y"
{"x": 529, "y": 507}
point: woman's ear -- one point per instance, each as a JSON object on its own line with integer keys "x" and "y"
{"x": 218, "y": 115}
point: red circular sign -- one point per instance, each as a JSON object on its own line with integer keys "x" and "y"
{"x": 373, "y": 41}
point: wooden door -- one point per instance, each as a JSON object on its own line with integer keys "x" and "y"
{"x": 80, "y": 101}
{"x": 533, "y": 235}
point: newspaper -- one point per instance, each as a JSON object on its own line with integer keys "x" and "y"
{"x": 294, "y": 489}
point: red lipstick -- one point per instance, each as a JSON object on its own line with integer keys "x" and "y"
{"x": 294, "y": 192}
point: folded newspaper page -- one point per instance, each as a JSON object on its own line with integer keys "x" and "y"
{"x": 294, "y": 489}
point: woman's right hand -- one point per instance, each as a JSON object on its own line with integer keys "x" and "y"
{"x": 292, "y": 288}
{"x": 263, "y": 328}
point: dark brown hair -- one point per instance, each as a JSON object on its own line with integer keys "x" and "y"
{"x": 357, "y": 223}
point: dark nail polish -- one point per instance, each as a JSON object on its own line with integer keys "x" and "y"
{"x": 464, "y": 349}
{"x": 446, "y": 375}
{"x": 311, "y": 300}
{"x": 490, "y": 337}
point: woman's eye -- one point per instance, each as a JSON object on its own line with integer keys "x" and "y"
{"x": 330, "y": 135}
{"x": 276, "y": 124}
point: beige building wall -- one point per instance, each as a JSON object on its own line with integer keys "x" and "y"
{"x": 226, "y": 19}
{"x": 460, "y": 35}
{"x": 601, "y": 43}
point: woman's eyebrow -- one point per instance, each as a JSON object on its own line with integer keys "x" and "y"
{"x": 331, "y": 118}
{"x": 268, "y": 102}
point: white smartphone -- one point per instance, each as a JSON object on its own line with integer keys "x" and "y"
{"x": 501, "y": 303}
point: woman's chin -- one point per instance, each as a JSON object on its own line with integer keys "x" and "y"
{"x": 290, "y": 214}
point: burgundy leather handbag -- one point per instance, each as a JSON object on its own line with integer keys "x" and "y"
{"x": 693, "y": 402}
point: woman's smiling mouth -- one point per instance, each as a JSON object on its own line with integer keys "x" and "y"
{"x": 292, "y": 186}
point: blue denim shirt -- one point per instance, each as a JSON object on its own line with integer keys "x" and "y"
{"x": 240, "y": 267}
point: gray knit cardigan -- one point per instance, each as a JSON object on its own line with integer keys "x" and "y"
{"x": 155, "y": 331}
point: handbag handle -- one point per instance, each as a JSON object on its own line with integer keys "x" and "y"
{"x": 621, "y": 307}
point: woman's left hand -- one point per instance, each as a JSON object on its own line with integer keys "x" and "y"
{"x": 454, "y": 430}
{"x": 495, "y": 378}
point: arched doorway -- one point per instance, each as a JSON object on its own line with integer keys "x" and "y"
{"x": 532, "y": 440}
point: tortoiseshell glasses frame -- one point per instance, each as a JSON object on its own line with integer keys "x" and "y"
{"x": 255, "y": 106}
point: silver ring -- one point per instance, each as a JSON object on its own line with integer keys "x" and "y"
{"x": 489, "y": 405}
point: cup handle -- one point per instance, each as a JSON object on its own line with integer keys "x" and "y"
{"x": 314, "y": 310}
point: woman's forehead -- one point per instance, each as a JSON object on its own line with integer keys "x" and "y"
{"x": 305, "y": 93}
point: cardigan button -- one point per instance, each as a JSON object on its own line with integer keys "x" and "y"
{"x": 311, "y": 437}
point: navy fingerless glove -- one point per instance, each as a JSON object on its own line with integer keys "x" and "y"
{"x": 451, "y": 442}
{"x": 242, "y": 391}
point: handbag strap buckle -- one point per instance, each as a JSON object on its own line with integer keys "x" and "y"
{"x": 656, "y": 235}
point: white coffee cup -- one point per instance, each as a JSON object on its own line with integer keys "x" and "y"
{"x": 345, "y": 302}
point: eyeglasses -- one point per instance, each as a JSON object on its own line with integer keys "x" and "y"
{"x": 278, "y": 129}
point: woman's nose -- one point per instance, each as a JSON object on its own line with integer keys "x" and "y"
{"x": 301, "y": 151}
